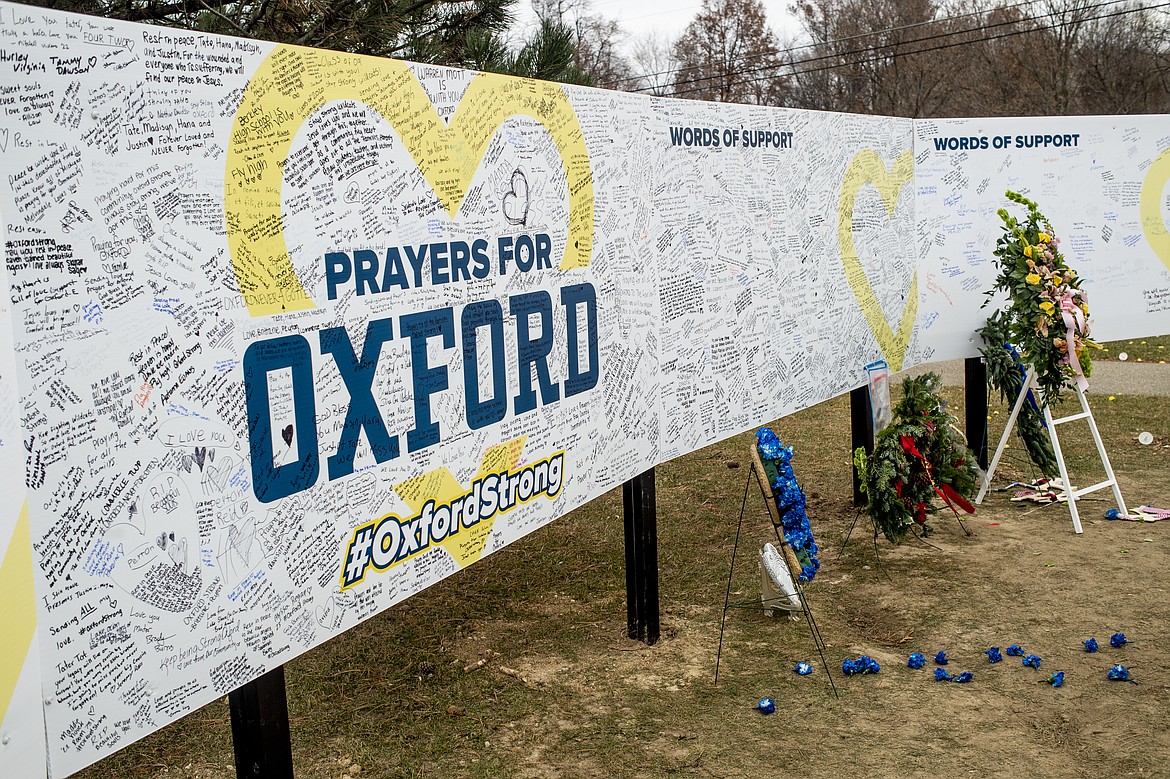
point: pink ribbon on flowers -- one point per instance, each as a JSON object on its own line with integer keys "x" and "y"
{"x": 1074, "y": 321}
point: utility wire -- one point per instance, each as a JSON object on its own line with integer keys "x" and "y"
{"x": 1009, "y": 34}
{"x": 925, "y": 39}
{"x": 792, "y": 49}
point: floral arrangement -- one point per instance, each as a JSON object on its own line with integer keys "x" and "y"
{"x": 919, "y": 456}
{"x": 777, "y": 461}
{"x": 1047, "y": 318}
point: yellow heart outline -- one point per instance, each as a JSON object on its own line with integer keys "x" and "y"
{"x": 867, "y": 167}
{"x": 292, "y": 83}
{"x": 20, "y": 608}
{"x": 1150, "y": 207}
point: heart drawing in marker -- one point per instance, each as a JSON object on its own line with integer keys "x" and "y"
{"x": 868, "y": 168}
{"x": 1150, "y": 207}
{"x": 516, "y": 199}
{"x": 287, "y": 435}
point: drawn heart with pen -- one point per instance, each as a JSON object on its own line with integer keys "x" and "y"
{"x": 218, "y": 478}
{"x": 868, "y": 168}
{"x": 516, "y": 199}
{"x": 1150, "y": 207}
{"x": 287, "y": 435}
{"x": 4, "y": 139}
{"x": 447, "y": 153}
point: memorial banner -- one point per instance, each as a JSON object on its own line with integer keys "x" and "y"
{"x": 1101, "y": 179}
{"x": 296, "y": 334}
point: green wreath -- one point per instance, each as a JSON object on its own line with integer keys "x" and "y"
{"x": 918, "y": 457}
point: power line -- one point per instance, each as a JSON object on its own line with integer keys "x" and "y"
{"x": 793, "y": 63}
{"x": 873, "y": 49}
{"x": 1009, "y": 34}
{"x": 792, "y": 49}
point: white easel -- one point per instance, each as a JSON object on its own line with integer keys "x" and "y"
{"x": 1072, "y": 495}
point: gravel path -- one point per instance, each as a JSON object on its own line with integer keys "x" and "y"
{"x": 1109, "y": 378}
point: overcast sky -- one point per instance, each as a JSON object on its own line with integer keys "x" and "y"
{"x": 639, "y": 17}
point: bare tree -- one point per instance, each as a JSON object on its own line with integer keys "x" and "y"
{"x": 728, "y": 54}
{"x": 890, "y": 56}
{"x": 654, "y": 63}
{"x": 596, "y": 39}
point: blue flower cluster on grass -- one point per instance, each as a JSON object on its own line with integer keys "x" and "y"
{"x": 1056, "y": 679}
{"x": 766, "y": 705}
{"x": 1033, "y": 661}
{"x": 941, "y": 658}
{"x": 993, "y": 654}
{"x": 791, "y": 503}
{"x": 1119, "y": 673}
{"x": 860, "y": 666}
{"x": 917, "y": 660}
{"x": 1091, "y": 645}
{"x": 803, "y": 668}
{"x": 1015, "y": 651}
{"x": 1118, "y": 640}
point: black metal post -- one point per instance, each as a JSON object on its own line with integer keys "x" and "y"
{"x": 260, "y": 731}
{"x": 641, "y": 525}
{"x": 861, "y": 424}
{"x": 975, "y": 389}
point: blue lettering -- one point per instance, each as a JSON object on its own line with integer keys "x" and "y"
{"x": 337, "y": 271}
{"x": 427, "y": 380}
{"x": 571, "y": 297}
{"x": 363, "y": 411}
{"x": 272, "y": 482}
{"x": 481, "y": 413}
{"x": 533, "y": 352}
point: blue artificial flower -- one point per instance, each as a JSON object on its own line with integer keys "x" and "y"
{"x": 1112, "y": 514}
{"x": 1015, "y": 651}
{"x": 1118, "y": 640}
{"x": 941, "y": 675}
{"x": 1091, "y": 645}
{"x": 941, "y": 658}
{"x": 862, "y": 665}
{"x": 993, "y": 654}
{"x": 803, "y": 668}
{"x": 766, "y": 705}
{"x": 917, "y": 660}
{"x": 768, "y": 443}
{"x": 1056, "y": 679}
{"x": 1033, "y": 661}
{"x": 964, "y": 677}
{"x": 1120, "y": 673}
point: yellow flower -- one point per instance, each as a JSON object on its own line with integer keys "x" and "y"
{"x": 1045, "y": 238}
{"x": 1085, "y": 308}
{"x": 1032, "y": 278}
{"x": 1028, "y": 251}
{"x": 1057, "y": 280}
{"x": 1047, "y": 307}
